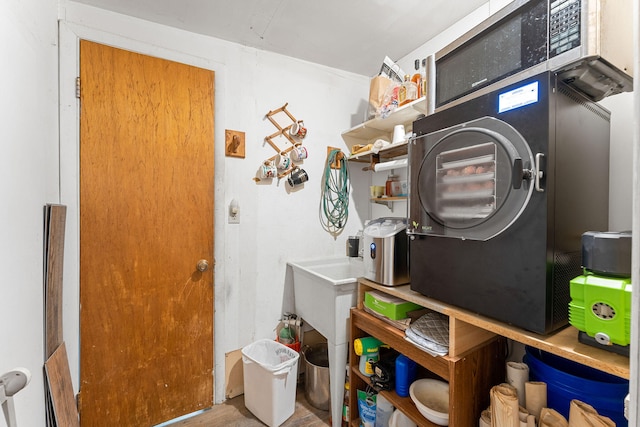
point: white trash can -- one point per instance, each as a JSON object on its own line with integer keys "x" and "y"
{"x": 270, "y": 376}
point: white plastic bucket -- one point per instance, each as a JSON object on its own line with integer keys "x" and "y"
{"x": 270, "y": 375}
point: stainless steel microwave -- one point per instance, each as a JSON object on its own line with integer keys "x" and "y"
{"x": 588, "y": 43}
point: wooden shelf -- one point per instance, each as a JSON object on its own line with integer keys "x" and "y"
{"x": 373, "y": 129}
{"x": 563, "y": 343}
{"x": 385, "y": 153}
{"x": 388, "y": 200}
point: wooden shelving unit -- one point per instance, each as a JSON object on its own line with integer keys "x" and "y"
{"x": 378, "y": 128}
{"x": 475, "y": 362}
{"x": 563, "y": 343}
{"x": 373, "y": 129}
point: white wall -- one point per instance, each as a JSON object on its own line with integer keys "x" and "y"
{"x": 277, "y": 225}
{"x": 28, "y": 181}
{"x": 621, "y": 161}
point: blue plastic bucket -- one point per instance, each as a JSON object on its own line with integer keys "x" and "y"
{"x": 567, "y": 380}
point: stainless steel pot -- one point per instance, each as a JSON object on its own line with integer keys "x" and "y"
{"x": 316, "y": 375}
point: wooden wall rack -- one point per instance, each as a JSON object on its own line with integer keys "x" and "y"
{"x": 282, "y": 131}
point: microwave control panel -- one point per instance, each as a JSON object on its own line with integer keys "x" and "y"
{"x": 564, "y": 26}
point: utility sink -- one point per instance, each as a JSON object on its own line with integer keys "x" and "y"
{"x": 324, "y": 290}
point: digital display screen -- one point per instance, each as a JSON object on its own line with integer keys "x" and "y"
{"x": 519, "y": 97}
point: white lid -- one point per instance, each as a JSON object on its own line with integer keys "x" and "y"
{"x": 387, "y": 228}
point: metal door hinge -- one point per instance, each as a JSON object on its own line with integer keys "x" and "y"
{"x": 78, "y": 87}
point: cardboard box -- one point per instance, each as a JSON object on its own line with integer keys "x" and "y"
{"x": 387, "y": 305}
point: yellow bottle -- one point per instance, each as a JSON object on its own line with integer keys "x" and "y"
{"x": 402, "y": 95}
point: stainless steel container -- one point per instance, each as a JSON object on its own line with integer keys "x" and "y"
{"x": 316, "y": 377}
{"x": 386, "y": 251}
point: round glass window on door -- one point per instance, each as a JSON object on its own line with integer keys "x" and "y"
{"x": 473, "y": 180}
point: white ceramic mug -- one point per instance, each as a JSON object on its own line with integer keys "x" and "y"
{"x": 399, "y": 419}
{"x": 267, "y": 170}
{"x": 398, "y": 134}
{"x": 299, "y": 153}
{"x": 283, "y": 161}
{"x": 298, "y": 129}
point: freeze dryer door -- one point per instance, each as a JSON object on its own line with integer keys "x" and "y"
{"x": 470, "y": 181}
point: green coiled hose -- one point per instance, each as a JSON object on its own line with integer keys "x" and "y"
{"x": 334, "y": 202}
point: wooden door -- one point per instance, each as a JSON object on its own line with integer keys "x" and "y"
{"x": 146, "y": 220}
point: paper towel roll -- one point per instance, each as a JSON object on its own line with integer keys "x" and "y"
{"x": 526, "y": 419}
{"x": 552, "y": 418}
{"x": 517, "y": 375}
{"x": 536, "y": 397}
{"x": 531, "y": 421}
{"x": 485, "y": 418}
{"x": 583, "y": 414}
{"x": 391, "y": 164}
{"x": 504, "y": 406}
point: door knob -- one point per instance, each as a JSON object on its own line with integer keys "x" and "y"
{"x": 202, "y": 265}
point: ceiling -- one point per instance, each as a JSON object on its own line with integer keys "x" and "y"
{"x": 351, "y": 35}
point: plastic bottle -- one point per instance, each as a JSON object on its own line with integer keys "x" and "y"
{"x": 345, "y": 401}
{"x": 402, "y": 94}
{"x": 405, "y": 374}
{"x": 384, "y": 409}
{"x": 286, "y": 334}
{"x": 417, "y": 77}
{"x": 423, "y": 77}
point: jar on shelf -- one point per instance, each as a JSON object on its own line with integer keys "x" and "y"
{"x": 408, "y": 91}
{"x": 389, "y": 187}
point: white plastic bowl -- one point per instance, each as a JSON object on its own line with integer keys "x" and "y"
{"x": 432, "y": 399}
